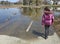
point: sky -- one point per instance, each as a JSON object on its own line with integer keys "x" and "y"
{"x": 10, "y": 0}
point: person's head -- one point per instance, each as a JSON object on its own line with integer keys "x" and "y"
{"x": 46, "y": 9}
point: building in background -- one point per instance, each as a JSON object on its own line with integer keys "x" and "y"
{"x": 48, "y": 2}
{"x": 57, "y": 2}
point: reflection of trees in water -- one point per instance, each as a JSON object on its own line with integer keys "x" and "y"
{"x": 33, "y": 13}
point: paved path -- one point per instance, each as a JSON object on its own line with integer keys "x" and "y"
{"x": 4, "y": 39}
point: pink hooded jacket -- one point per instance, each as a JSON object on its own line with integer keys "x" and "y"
{"x": 47, "y": 19}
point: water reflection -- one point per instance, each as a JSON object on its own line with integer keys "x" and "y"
{"x": 33, "y": 13}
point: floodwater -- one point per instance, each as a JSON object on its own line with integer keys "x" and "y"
{"x": 15, "y": 21}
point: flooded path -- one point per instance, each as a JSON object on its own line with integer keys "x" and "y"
{"x": 14, "y": 22}
{"x": 16, "y": 25}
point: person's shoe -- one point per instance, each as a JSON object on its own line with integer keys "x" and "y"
{"x": 46, "y": 37}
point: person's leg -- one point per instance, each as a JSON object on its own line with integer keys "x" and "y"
{"x": 46, "y": 31}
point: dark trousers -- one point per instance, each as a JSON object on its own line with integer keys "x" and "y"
{"x": 46, "y": 30}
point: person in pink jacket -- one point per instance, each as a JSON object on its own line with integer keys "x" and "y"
{"x": 47, "y": 20}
